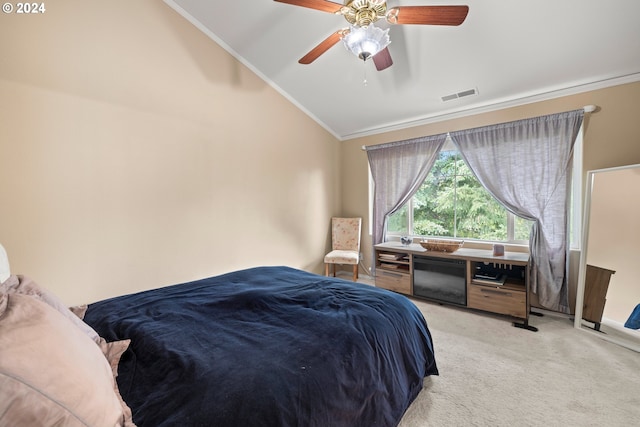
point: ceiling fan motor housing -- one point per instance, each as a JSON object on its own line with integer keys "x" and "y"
{"x": 361, "y": 13}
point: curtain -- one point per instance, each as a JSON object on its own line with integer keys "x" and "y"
{"x": 398, "y": 169}
{"x": 526, "y": 166}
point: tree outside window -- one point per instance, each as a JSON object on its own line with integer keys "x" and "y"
{"x": 452, "y": 203}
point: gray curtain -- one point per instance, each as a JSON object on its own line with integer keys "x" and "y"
{"x": 398, "y": 169}
{"x": 526, "y": 166}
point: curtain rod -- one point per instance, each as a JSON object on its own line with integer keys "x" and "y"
{"x": 587, "y": 109}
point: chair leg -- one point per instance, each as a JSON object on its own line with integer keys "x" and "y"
{"x": 355, "y": 272}
{"x": 326, "y": 269}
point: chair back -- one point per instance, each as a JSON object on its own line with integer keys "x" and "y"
{"x": 345, "y": 234}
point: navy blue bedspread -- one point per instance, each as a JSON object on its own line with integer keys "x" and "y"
{"x": 267, "y": 346}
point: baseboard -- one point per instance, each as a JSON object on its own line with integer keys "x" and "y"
{"x": 620, "y": 327}
{"x": 348, "y": 275}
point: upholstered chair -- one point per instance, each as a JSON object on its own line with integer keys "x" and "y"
{"x": 345, "y": 244}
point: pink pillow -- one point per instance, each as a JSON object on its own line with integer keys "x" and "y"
{"x": 23, "y": 285}
{"x": 113, "y": 352}
{"x": 51, "y": 373}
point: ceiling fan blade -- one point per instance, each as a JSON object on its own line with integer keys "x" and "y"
{"x": 323, "y": 47}
{"x": 428, "y": 15}
{"x": 325, "y": 6}
{"x": 382, "y": 59}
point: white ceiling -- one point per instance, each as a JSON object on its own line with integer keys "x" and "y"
{"x": 511, "y": 52}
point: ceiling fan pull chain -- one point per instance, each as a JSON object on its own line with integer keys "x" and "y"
{"x": 364, "y": 72}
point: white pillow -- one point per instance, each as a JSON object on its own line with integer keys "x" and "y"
{"x": 5, "y": 271}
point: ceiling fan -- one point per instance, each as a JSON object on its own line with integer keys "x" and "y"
{"x": 366, "y": 40}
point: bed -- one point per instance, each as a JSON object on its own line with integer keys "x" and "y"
{"x": 267, "y": 346}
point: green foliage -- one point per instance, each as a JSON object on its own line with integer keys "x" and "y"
{"x": 453, "y": 203}
{"x": 398, "y": 222}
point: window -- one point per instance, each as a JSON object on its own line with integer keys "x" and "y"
{"x": 429, "y": 225}
{"x": 452, "y": 203}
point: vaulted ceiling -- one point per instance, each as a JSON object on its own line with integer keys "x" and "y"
{"x": 507, "y": 52}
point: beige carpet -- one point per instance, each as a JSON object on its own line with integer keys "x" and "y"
{"x": 492, "y": 374}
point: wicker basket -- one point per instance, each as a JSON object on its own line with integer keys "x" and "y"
{"x": 441, "y": 245}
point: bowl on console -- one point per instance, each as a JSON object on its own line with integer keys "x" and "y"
{"x": 440, "y": 245}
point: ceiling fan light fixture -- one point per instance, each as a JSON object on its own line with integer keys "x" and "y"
{"x": 365, "y": 42}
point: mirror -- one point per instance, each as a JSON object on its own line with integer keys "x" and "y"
{"x": 608, "y": 290}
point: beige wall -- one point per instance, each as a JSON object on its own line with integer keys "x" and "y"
{"x": 611, "y": 138}
{"x": 136, "y": 153}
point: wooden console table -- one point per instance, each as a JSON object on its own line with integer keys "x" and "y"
{"x": 507, "y": 295}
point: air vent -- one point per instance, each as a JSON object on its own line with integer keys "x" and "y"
{"x": 462, "y": 94}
